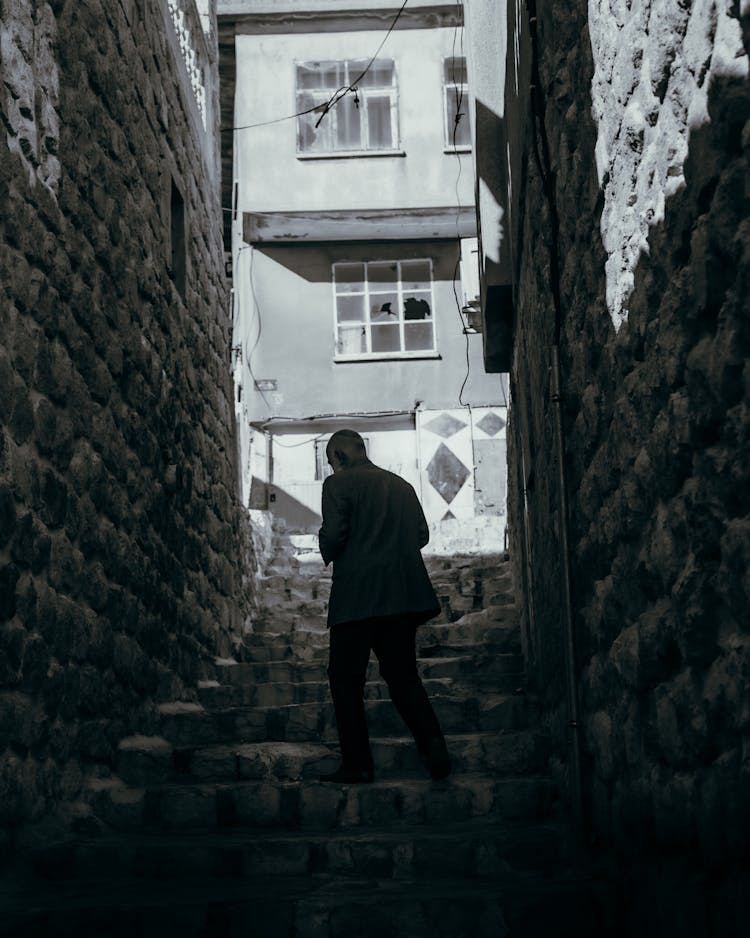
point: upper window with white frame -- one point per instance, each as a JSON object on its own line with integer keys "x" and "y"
{"x": 384, "y": 309}
{"x": 456, "y": 103}
{"x": 364, "y": 120}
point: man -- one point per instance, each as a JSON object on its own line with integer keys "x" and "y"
{"x": 373, "y": 530}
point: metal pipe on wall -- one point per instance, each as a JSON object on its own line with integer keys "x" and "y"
{"x": 576, "y": 794}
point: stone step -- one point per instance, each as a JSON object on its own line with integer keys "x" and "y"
{"x": 279, "y": 694}
{"x": 472, "y": 849}
{"x": 188, "y": 725}
{"x": 152, "y": 760}
{"x": 308, "y": 645}
{"x": 312, "y": 805}
{"x": 483, "y": 669}
{"x": 514, "y": 905}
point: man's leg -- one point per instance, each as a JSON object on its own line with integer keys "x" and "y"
{"x": 394, "y": 643}
{"x": 349, "y": 653}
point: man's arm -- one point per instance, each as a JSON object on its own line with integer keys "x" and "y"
{"x": 334, "y": 531}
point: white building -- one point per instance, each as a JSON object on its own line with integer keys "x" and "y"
{"x": 353, "y": 252}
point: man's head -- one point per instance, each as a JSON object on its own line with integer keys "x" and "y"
{"x": 346, "y": 448}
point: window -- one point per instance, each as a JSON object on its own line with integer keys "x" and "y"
{"x": 384, "y": 309}
{"x": 456, "y": 101}
{"x": 363, "y": 121}
{"x": 322, "y": 466}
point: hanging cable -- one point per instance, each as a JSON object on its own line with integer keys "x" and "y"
{"x": 249, "y": 354}
{"x": 458, "y": 90}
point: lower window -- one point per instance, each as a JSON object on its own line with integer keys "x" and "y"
{"x": 384, "y": 309}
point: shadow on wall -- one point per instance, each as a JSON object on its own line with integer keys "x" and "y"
{"x": 297, "y": 518}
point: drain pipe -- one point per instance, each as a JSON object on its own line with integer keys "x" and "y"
{"x": 576, "y": 794}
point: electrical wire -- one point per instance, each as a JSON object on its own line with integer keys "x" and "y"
{"x": 459, "y": 93}
{"x": 249, "y": 355}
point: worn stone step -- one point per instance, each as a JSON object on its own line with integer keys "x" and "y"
{"x": 472, "y": 633}
{"x": 148, "y": 760}
{"x": 481, "y": 667}
{"x": 279, "y": 694}
{"x": 514, "y": 905}
{"x": 471, "y": 849}
{"x": 190, "y": 725}
{"x": 317, "y": 805}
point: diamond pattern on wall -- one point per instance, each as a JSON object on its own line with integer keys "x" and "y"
{"x": 446, "y": 473}
{"x": 445, "y": 425}
{"x": 448, "y": 516}
{"x": 491, "y": 423}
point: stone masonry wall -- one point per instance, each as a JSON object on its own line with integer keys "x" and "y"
{"x": 120, "y": 533}
{"x": 657, "y": 453}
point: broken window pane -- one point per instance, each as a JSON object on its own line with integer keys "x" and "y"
{"x": 384, "y": 307}
{"x": 416, "y": 307}
{"x": 395, "y": 317}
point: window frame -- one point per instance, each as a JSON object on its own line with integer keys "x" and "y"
{"x": 449, "y": 87}
{"x": 369, "y": 355}
{"x": 364, "y": 94}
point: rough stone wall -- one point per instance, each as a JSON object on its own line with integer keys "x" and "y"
{"x": 121, "y": 539}
{"x": 658, "y": 458}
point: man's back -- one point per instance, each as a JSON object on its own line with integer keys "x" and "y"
{"x": 373, "y": 529}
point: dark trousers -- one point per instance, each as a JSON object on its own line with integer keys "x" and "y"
{"x": 392, "y": 638}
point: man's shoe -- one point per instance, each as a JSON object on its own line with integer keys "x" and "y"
{"x": 344, "y": 776}
{"x": 437, "y": 760}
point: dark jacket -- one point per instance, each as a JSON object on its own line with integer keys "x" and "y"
{"x": 373, "y": 530}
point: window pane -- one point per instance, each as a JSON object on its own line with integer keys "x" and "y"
{"x": 417, "y": 307}
{"x": 416, "y": 275}
{"x": 309, "y": 137}
{"x": 350, "y": 308}
{"x": 379, "y": 132}
{"x": 386, "y": 338}
{"x": 379, "y": 75}
{"x": 350, "y": 278}
{"x": 351, "y": 340}
{"x": 380, "y": 273}
{"x": 329, "y": 75}
{"x": 418, "y": 336}
{"x": 454, "y": 70}
{"x": 348, "y": 133}
{"x": 383, "y": 307}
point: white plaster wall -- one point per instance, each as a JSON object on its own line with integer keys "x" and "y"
{"x": 284, "y": 322}
{"x": 271, "y": 176}
{"x": 653, "y": 64}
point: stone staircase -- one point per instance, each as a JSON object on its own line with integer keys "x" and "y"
{"x": 219, "y": 827}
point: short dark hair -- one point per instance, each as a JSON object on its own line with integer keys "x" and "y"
{"x": 348, "y": 440}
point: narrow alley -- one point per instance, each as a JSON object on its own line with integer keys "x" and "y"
{"x": 504, "y": 245}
